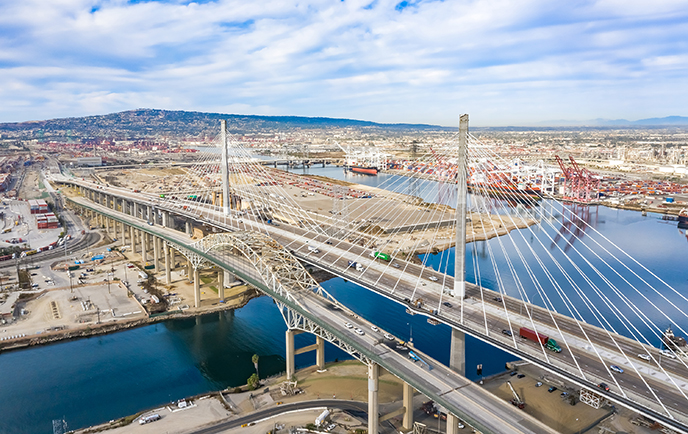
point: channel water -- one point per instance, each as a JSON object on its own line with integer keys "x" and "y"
{"x": 91, "y": 381}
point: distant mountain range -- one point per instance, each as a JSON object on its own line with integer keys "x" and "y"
{"x": 151, "y": 123}
{"x": 666, "y": 121}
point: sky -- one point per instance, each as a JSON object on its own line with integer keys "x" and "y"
{"x": 504, "y": 62}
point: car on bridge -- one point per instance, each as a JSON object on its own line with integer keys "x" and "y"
{"x": 667, "y": 353}
{"x": 603, "y": 386}
{"x": 359, "y": 331}
{"x": 645, "y": 357}
{"x": 446, "y": 303}
{"x": 349, "y": 325}
{"x": 616, "y": 369}
{"x": 389, "y": 337}
{"x": 374, "y": 328}
{"x": 507, "y": 332}
{"x": 433, "y": 278}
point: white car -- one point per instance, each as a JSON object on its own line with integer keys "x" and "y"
{"x": 616, "y": 369}
{"x": 645, "y": 357}
{"x": 389, "y": 337}
{"x": 667, "y": 353}
{"x": 349, "y": 325}
{"x": 359, "y": 331}
{"x": 433, "y": 278}
{"x": 374, "y": 328}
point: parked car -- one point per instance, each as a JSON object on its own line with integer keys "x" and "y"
{"x": 551, "y": 389}
{"x": 538, "y": 384}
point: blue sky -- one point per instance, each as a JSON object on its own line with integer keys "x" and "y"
{"x": 505, "y": 62}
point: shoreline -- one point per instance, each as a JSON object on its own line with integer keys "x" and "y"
{"x": 116, "y": 326}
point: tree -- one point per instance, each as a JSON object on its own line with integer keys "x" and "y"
{"x": 253, "y": 381}
{"x": 254, "y": 359}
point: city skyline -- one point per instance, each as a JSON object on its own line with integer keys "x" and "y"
{"x": 505, "y": 63}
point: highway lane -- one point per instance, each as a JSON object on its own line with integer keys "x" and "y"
{"x": 379, "y": 277}
{"x": 277, "y": 410}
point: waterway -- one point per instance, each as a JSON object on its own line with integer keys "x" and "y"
{"x": 94, "y": 380}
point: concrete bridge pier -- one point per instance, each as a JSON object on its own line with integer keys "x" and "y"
{"x": 156, "y": 253}
{"x": 168, "y": 270}
{"x": 107, "y": 226}
{"x": 132, "y": 238}
{"x": 373, "y": 387}
{"x": 289, "y": 337}
{"x": 221, "y": 283}
{"x": 457, "y": 362}
{"x": 197, "y": 287}
{"x": 188, "y": 228}
{"x": 121, "y": 234}
{"x": 144, "y": 253}
{"x": 407, "y": 423}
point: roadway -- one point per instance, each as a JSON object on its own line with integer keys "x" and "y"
{"x": 486, "y": 320}
{"x": 274, "y": 411}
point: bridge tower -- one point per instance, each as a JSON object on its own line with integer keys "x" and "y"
{"x": 224, "y": 164}
{"x": 457, "y": 357}
{"x": 461, "y": 195}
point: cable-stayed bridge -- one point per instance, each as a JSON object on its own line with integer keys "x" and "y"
{"x": 566, "y": 281}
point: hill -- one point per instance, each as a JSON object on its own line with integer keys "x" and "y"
{"x": 165, "y": 123}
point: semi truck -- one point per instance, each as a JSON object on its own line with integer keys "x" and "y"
{"x": 383, "y": 256}
{"x": 550, "y": 344}
{"x": 356, "y": 265}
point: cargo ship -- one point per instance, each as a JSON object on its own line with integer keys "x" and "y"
{"x": 506, "y": 191}
{"x": 683, "y": 219}
{"x": 368, "y": 170}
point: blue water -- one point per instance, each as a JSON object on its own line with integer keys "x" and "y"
{"x": 94, "y": 380}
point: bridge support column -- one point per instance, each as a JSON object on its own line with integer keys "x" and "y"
{"x": 189, "y": 270}
{"x": 289, "y": 337}
{"x": 373, "y": 417}
{"x": 457, "y": 362}
{"x": 124, "y": 241}
{"x": 224, "y": 167}
{"x": 107, "y": 226}
{"x": 144, "y": 253}
{"x": 168, "y": 270}
{"x": 320, "y": 353}
{"x": 132, "y": 238}
{"x": 408, "y": 406}
{"x": 156, "y": 253}
{"x": 197, "y": 287}
{"x": 221, "y": 283}
{"x": 189, "y": 228}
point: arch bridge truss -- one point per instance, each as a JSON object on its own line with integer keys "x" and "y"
{"x": 282, "y": 276}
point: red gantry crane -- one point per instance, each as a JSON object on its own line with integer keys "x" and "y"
{"x": 580, "y": 184}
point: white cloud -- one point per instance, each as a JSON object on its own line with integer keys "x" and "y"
{"x": 424, "y": 63}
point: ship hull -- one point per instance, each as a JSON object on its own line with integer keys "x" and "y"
{"x": 364, "y": 170}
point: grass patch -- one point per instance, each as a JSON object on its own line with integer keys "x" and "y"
{"x": 207, "y": 279}
{"x": 213, "y": 288}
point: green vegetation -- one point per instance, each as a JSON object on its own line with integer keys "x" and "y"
{"x": 253, "y": 381}
{"x": 254, "y": 359}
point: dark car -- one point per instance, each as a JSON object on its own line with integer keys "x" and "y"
{"x": 499, "y": 299}
{"x": 446, "y": 303}
{"x": 507, "y": 332}
{"x": 521, "y": 375}
{"x": 551, "y": 389}
{"x": 513, "y": 373}
{"x": 603, "y": 386}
